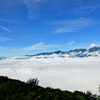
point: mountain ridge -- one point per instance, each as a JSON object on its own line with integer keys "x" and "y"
{"x": 78, "y": 52}
{"x": 81, "y": 52}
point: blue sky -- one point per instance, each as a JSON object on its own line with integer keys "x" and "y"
{"x": 32, "y": 26}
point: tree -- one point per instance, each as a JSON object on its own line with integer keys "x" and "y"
{"x": 33, "y": 82}
{"x": 91, "y": 96}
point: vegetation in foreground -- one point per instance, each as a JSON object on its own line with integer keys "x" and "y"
{"x": 11, "y": 89}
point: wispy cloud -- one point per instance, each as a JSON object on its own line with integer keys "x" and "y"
{"x": 71, "y": 42}
{"x": 2, "y": 39}
{"x": 6, "y": 29}
{"x": 3, "y": 48}
{"x": 37, "y": 7}
{"x": 39, "y": 46}
{"x": 86, "y": 6}
{"x": 33, "y": 7}
{"x": 66, "y": 26}
{"x": 6, "y": 20}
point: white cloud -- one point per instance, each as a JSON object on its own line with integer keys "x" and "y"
{"x": 5, "y": 29}
{"x": 75, "y": 48}
{"x": 66, "y": 26}
{"x": 71, "y": 42}
{"x": 2, "y": 39}
{"x": 3, "y": 48}
{"x": 34, "y": 7}
{"x": 39, "y": 46}
{"x": 37, "y": 7}
{"x": 64, "y": 73}
{"x": 85, "y": 7}
{"x": 31, "y": 3}
{"x": 6, "y": 20}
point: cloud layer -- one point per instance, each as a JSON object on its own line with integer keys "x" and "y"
{"x": 64, "y": 73}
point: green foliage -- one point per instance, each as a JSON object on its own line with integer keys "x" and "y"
{"x": 16, "y": 90}
{"x": 91, "y": 96}
{"x": 33, "y": 82}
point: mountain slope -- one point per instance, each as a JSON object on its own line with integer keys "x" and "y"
{"x": 88, "y": 52}
{"x": 11, "y": 89}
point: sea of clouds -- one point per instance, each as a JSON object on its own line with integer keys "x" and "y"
{"x": 71, "y": 74}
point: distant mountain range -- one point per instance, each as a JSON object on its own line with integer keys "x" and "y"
{"x": 83, "y": 52}
{"x": 88, "y": 52}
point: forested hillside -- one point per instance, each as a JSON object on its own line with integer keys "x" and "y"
{"x": 11, "y": 89}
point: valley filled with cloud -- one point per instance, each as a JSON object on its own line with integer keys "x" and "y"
{"x": 71, "y": 74}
